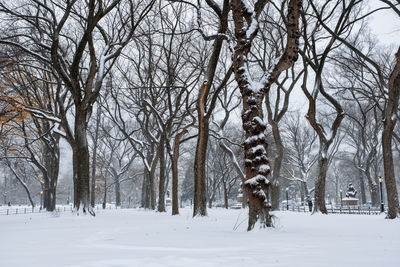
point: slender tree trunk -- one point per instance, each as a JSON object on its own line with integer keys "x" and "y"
{"x": 362, "y": 187}
{"x": 319, "y": 194}
{"x": 161, "y": 185}
{"x": 275, "y": 190}
{"x": 152, "y": 178}
{"x": 94, "y": 158}
{"x": 52, "y": 164}
{"x": 306, "y": 192}
{"x": 22, "y": 183}
{"x": 226, "y": 204}
{"x": 117, "y": 187}
{"x": 105, "y": 194}
{"x": 175, "y": 175}
{"x": 46, "y": 193}
{"x": 146, "y": 190}
{"x": 200, "y": 198}
{"x": 302, "y": 192}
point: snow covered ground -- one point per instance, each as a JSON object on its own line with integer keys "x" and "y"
{"x": 144, "y": 238}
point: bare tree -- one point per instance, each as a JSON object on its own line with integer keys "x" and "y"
{"x": 257, "y": 169}
{"x": 80, "y": 61}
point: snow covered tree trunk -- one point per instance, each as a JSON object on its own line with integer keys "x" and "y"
{"x": 256, "y": 163}
{"x": 389, "y": 124}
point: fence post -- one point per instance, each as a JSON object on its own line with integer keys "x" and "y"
{"x": 16, "y": 211}
{"x": 7, "y": 211}
{"x": 25, "y": 210}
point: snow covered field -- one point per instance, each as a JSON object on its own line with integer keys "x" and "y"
{"x": 144, "y": 238}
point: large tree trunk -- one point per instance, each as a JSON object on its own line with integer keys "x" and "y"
{"x": 255, "y": 146}
{"x": 319, "y": 194}
{"x": 389, "y": 124}
{"x": 81, "y": 164}
{"x": 200, "y": 198}
{"x": 390, "y": 181}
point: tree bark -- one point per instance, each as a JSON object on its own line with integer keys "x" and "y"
{"x": 255, "y": 146}
{"x": 51, "y": 162}
{"x": 319, "y": 193}
{"x": 94, "y": 158}
{"x": 200, "y": 198}
{"x": 161, "y": 185}
{"x": 145, "y": 201}
{"x": 226, "y": 204}
{"x": 117, "y": 188}
{"x": 362, "y": 187}
{"x": 387, "y": 134}
{"x": 175, "y": 176}
{"x": 81, "y": 163}
{"x": 275, "y": 190}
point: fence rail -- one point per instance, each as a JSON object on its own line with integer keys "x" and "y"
{"x": 340, "y": 210}
{"x": 333, "y": 210}
{"x": 29, "y": 210}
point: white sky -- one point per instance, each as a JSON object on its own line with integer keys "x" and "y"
{"x": 385, "y": 24}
